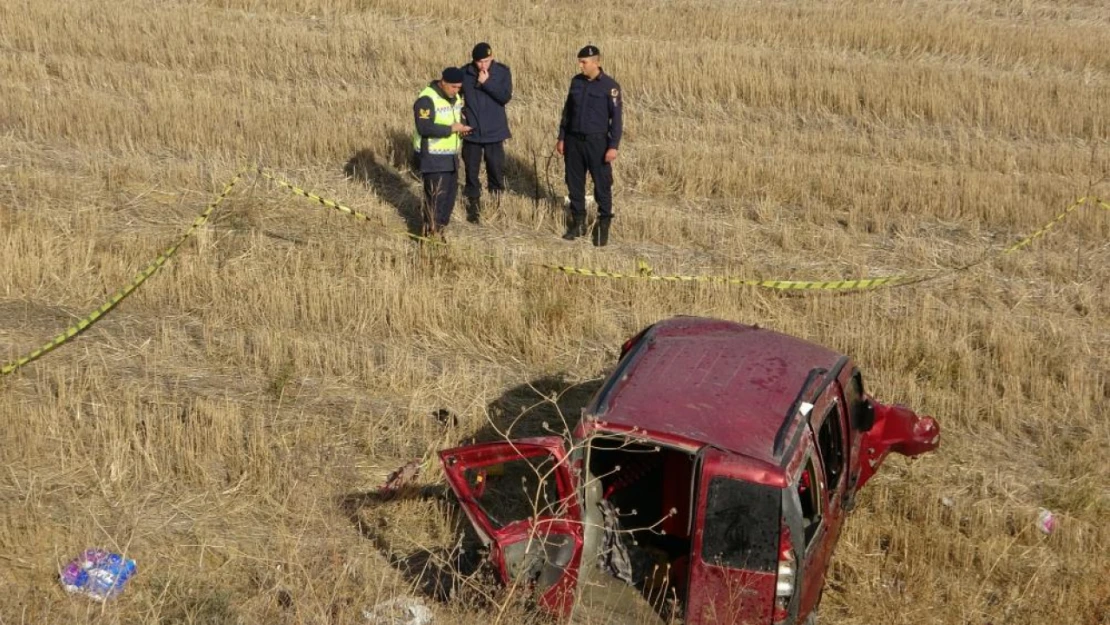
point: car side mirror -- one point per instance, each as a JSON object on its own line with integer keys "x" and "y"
{"x": 865, "y": 418}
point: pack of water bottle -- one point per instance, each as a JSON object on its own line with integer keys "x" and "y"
{"x": 97, "y": 573}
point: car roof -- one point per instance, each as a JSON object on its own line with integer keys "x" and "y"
{"x": 712, "y": 382}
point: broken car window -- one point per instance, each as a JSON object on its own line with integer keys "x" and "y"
{"x": 831, "y": 441}
{"x": 809, "y": 492}
{"x": 516, "y": 490}
{"x": 742, "y": 525}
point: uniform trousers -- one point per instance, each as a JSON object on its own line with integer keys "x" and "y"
{"x": 495, "y": 165}
{"x": 586, "y": 153}
{"x": 440, "y": 189}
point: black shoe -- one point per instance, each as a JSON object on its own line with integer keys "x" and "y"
{"x": 573, "y": 230}
{"x": 601, "y": 233}
{"x": 473, "y": 210}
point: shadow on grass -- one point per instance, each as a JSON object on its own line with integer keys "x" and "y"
{"x": 382, "y": 172}
{"x": 439, "y": 573}
{"x": 547, "y": 406}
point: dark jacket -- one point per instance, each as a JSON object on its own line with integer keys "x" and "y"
{"x": 593, "y": 107}
{"x": 424, "y": 115}
{"x": 485, "y": 104}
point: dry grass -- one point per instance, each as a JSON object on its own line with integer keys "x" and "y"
{"x": 224, "y": 423}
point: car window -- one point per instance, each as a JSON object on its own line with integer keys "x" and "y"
{"x": 812, "y": 500}
{"x": 831, "y": 441}
{"x": 742, "y": 525}
{"x": 516, "y": 490}
{"x": 857, "y": 402}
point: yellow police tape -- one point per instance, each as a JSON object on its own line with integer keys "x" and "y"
{"x": 863, "y": 283}
{"x": 90, "y": 319}
{"x": 1043, "y": 230}
{"x": 858, "y": 284}
{"x": 292, "y": 188}
{"x": 644, "y": 272}
{"x": 783, "y": 285}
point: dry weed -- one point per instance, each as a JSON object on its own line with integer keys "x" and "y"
{"x": 226, "y": 423}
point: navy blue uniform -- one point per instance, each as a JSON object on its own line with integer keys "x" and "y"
{"x": 591, "y": 123}
{"x": 485, "y": 103}
{"x": 485, "y": 114}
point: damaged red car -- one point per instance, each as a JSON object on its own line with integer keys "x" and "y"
{"x": 707, "y": 481}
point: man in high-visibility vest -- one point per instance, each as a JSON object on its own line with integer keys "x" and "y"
{"x": 436, "y": 142}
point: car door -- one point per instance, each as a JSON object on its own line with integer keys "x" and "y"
{"x": 829, "y": 427}
{"x": 734, "y": 546}
{"x": 521, "y": 496}
{"x": 807, "y": 516}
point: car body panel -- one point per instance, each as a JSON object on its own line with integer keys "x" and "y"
{"x": 727, "y": 384}
{"x": 781, "y": 435}
{"x": 541, "y": 540}
{"x": 718, "y": 591}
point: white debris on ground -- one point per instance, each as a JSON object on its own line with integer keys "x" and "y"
{"x": 1046, "y": 521}
{"x": 399, "y": 611}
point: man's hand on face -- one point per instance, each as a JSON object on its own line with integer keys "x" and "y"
{"x": 483, "y": 76}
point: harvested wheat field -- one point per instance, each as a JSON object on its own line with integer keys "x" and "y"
{"x": 228, "y": 424}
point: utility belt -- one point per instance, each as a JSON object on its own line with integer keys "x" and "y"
{"x": 585, "y": 135}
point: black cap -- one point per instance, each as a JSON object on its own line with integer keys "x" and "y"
{"x": 481, "y": 51}
{"x": 590, "y": 50}
{"x": 452, "y": 75}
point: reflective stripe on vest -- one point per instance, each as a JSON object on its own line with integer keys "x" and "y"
{"x": 446, "y": 114}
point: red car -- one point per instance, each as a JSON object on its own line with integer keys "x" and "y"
{"x": 707, "y": 481}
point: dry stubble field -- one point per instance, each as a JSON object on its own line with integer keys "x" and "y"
{"x": 224, "y": 425}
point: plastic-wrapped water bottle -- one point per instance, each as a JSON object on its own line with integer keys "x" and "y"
{"x": 97, "y": 573}
{"x": 1046, "y": 521}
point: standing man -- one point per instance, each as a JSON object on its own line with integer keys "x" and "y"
{"x": 487, "y": 88}
{"x": 436, "y": 141}
{"x": 589, "y": 136}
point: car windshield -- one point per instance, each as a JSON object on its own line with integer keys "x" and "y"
{"x": 742, "y": 525}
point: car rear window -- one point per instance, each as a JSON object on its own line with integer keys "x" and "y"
{"x": 742, "y": 525}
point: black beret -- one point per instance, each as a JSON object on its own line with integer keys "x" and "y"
{"x": 481, "y": 51}
{"x": 590, "y": 50}
{"x": 452, "y": 75}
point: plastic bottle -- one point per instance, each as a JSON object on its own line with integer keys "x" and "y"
{"x": 1046, "y": 521}
{"x": 98, "y": 574}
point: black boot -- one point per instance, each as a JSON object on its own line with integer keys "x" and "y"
{"x": 601, "y": 233}
{"x": 575, "y": 227}
{"x": 473, "y": 210}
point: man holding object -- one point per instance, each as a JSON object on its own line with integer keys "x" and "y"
{"x": 435, "y": 142}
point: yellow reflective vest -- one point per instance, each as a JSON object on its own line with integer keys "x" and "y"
{"x": 445, "y": 114}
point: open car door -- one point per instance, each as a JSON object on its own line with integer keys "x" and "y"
{"x": 522, "y": 498}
